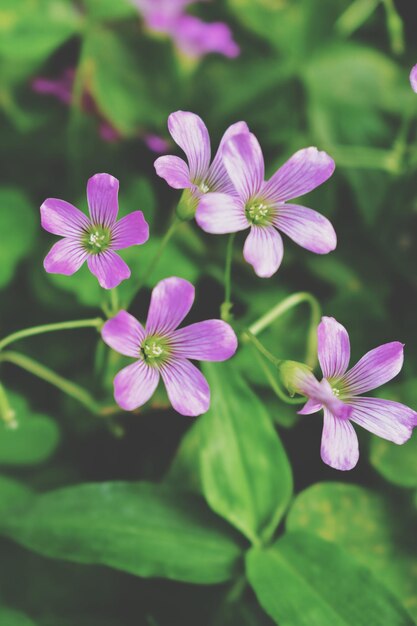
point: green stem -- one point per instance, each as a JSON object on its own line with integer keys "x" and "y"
{"x": 65, "y": 385}
{"x": 284, "y": 306}
{"x": 226, "y": 307}
{"x": 7, "y": 414}
{"x": 48, "y": 328}
{"x": 273, "y": 382}
{"x": 155, "y": 259}
{"x": 395, "y": 27}
{"x": 248, "y": 336}
{"x": 114, "y": 302}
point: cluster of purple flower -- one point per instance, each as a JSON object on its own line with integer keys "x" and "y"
{"x": 226, "y": 195}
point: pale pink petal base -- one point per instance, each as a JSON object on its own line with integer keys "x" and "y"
{"x": 124, "y": 334}
{"x": 339, "y": 443}
{"x": 385, "y": 418}
{"x": 65, "y": 257}
{"x": 134, "y": 385}
{"x": 244, "y": 162}
{"x": 187, "y": 389}
{"x": 219, "y": 214}
{"x": 212, "y": 340}
{"x": 171, "y": 301}
{"x": 108, "y": 268}
{"x": 264, "y": 250}
{"x": 333, "y": 347}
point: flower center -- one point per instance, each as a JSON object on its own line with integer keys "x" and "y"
{"x": 155, "y": 350}
{"x": 258, "y": 213}
{"x": 96, "y": 239}
{"x": 203, "y": 187}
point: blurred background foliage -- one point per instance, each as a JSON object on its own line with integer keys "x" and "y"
{"x": 330, "y": 73}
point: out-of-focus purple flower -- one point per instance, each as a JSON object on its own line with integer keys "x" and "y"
{"x": 262, "y": 205}
{"x": 61, "y": 88}
{"x": 192, "y": 36}
{"x": 93, "y": 239}
{"x": 199, "y": 176}
{"x": 338, "y": 394}
{"x": 155, "y": 143}
{"x": 413, "y": 78}
{"x": 163, "y": 349}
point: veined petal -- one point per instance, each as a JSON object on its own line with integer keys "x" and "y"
{"x": 264, "y": 250}
{"x": 244, "y": 162}
{"x": 339, "y": 443}
{"x": 384, "y": 418}
{"x": 124, "y": 334}
{"x": 174, "y": 170}
{"x": 102, "y": 192}
{"x": 190, "y": 133}
{"x": 218, "y": 178}
{"x": 308, "y": 228}
{"x": 134, "y": 385}
{"x": 212, "y": 340}
{"x": 131, "y": 230}
{"x": 62, "y": 218}
{"x": 65, "y": 257}
{"x": 303, "y": 172}
{"x": 305, "y": 383}
{"x": 333, "y": 347}
{"x": 218, "y": 213}
{"x": 375, "y": 368}
{"x": 171, "y": 301}
{"x": 187, "y": 389}
{"x": 109, "y": 268}
{"x": 413, "y": 78}
{"x": 311, "y": 406}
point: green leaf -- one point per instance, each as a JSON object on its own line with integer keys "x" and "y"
{"x": 369, "y": 527}
{"x": 109, "y": 10}
{"x": 33, "y": 440}
{"x": 143, "y": 529}
{"x": 244, "y": 471}
{"x": 305, "y": 581}
{"x": 33, "y": 29}
{"x": 8, "y": 617}
{"x": 12, "y": 493}
{"x": 17, "y": 229}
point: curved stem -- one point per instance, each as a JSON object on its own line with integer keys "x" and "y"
{"x": 284, "y": 306}
{"x": 226, "y": 307}
{"x": 7, "y": 414}
{"x": 273, "y": 383}
{"x": 248, "y": 336}
{"x": 154, "y": 261}
{"x": 48, "y": 328}
{"x": 65, "y": 385}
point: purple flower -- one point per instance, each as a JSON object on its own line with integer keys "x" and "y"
{"x": 92, "y": 239}
{"x": 190, "y": 133}
{"x": 161, "y": 349}
{"x": 262, "y": 206}
{"x": 413, "y": 78}
{"x": 192, "y": 36}
{"x": 338, "y": 394}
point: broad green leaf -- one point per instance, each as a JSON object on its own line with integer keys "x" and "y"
{"x": 32, "y": 441}
{"x": 234, "y": 449}
{"x": 33, "y": 29}
{"x": 305, "y": 581}
{"x": 369, "y": 527}
{"x": 110, "y": 10}
{"x": 143, "y": 529}
{"x": 12, "y": 493}
{"x": 17, "y": 229}
{"x": 9, "y": 617}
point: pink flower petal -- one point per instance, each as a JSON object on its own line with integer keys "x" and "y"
{"x": 384, "y": 418}
{"x": 376, "y": 368}
{"x": 333, "y": 347}
{"x": 171, "y": 301}
{"x": 190, "y": 133}
{"x": 62, "y": 218}
{"x": 309, "y": 229}
{"x": 187, "y": 389}
{"x": 212, "y": 340}
{"x": 102, "y": 191}
{"x": 196, "y": 38}
{"x": 134, "y": 385}
{"x": 264, "y": 250}
{"x": 339, "y": 443}
{"x": 303, "y": 172}
{"x": 413, "y": 78}
{"x": 174, "y": 170}
{"x": 218, "y": 178}
{"x": 320, "y": 393}
{"x": 218, "y": 213}
{"x": 108, "y": 268}
{"x": 131, "y": 230}
{"x": 244, "y": 162}
{"x": 124, "y": 334}
{"x": 65, "y": 257}
{"x": 311, "y": 406}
